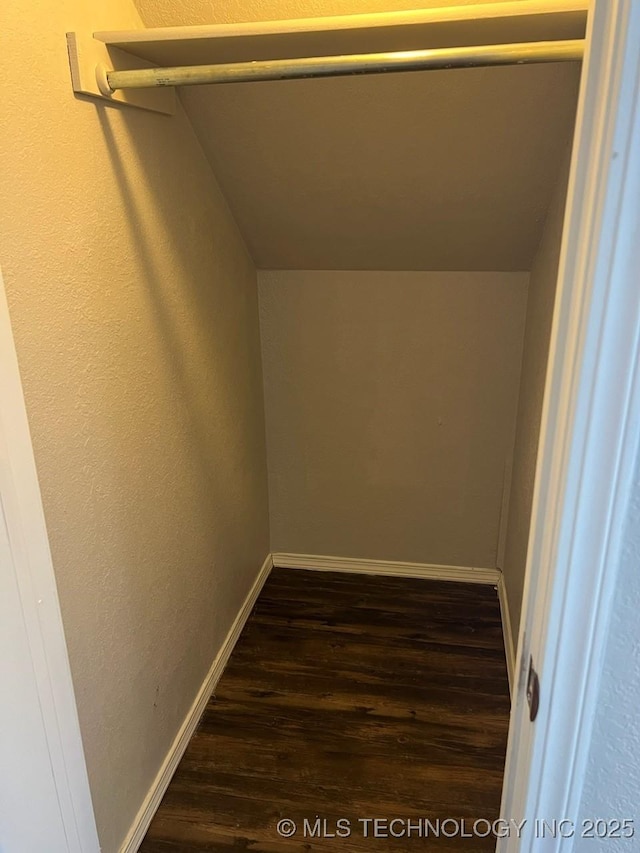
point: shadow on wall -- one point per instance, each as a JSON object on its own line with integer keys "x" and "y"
{"x": 205, "y": 326}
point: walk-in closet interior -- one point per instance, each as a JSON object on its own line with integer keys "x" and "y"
{"x": 300, "y": 323}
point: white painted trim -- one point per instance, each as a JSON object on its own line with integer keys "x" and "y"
{"x": 464, "y": 574}
{"x": 509, "y": 646}
{"x": 589, "y": 439}
{"x": 372, "y": 20}
{"x": 37, "y": 625}
{"x": 160, "y": 784}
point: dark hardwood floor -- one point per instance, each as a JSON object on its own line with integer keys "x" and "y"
{"x": 354, "y": 697}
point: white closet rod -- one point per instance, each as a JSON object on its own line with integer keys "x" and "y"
{"x": 361, "y": 63}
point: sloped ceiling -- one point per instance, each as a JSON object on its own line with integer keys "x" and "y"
{"x": 447, "y": 170}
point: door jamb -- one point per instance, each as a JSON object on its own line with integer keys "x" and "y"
{"x": 39, "y": 628}
{"x": 589, "y": 439}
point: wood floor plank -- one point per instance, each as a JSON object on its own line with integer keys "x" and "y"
{"x": 348, "y": 697}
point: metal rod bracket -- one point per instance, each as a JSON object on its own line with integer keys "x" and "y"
{"x": 90, "y": 62}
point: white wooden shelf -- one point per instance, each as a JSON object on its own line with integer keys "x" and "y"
{"x": 487, "y": 23}
{"x": 444, "y": 26}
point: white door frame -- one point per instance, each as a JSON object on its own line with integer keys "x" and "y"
{"x": 45, "y": 803}
{"x": 590, "y": 428}
{"x": 589, "y": 439}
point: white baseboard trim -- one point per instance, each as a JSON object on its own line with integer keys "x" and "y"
{"x": 465, "y": 574}
{"x": 160, "y": 784}
{"x": 509, "y": 646}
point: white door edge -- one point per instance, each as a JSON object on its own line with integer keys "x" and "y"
{"x": 589, "y": 439}
{"x": 37, "y": 628}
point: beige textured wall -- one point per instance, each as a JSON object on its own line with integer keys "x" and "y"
{"x": 540, "y": 301}
{"x": 134, "y": 307}
{"x": 390, "y": 401}
{"x": 612, "y": 774}
{"x": 168, "y": 13}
